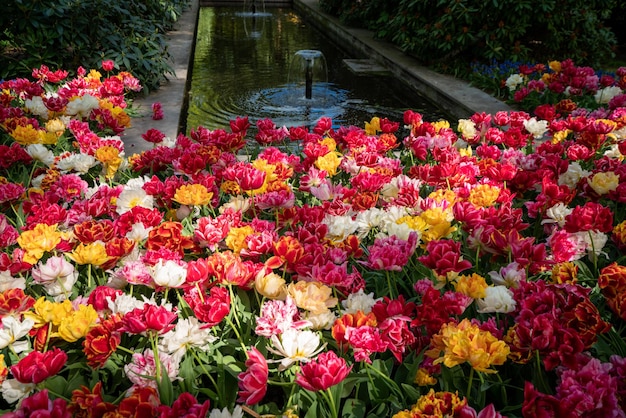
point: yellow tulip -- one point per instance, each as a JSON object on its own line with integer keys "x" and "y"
{"x": 192, "y": 195}
{"x": 484, "y": 195}
{"x": 465, "y": 342}
{"x": 76, "y": 325}
{"x": 314, "y": 297}
{"x": 110, "y": 158}
{"x": 94, "y": 254}
{"x": 472, "y": 285}
{"x": 329, "y": 162}
{"x": 236, "y": 238}
{"x": 42, "y": 238}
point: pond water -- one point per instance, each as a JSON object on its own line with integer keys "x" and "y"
{"x": 244, "y": 66}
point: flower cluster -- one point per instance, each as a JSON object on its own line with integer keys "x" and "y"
{"x": 558, "y": 88}
{"x": 590, "y": 388}
{"x": 401, "y": 269}
{"x": 559, "y": 321}
{"x": 445, "y": 404}
{"x": 612, "y": 282}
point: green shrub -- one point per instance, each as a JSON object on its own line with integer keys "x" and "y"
{"x": 371, "y": 14}
{"x": 71, "y": 33}
{"x": 449, "y": 33}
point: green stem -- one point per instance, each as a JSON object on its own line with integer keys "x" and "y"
{"x": 594, "y": 256}
{"x": 57, "y": 395}
{"x": 278, "y": 383}
{"x": 481, "y": 393}
{"x": 477, "y": 257}
{"x": 32, "y": 173}
{"x": 392, "y": 383}
{"x": 543, "y": 385}
{"x": 233, "y": 304}
{"x": 183, "y": 305}
{"x": 291, "y": 393}
{"x": 468, "y": 393}
{"x": 330, "y": 399}
{"x": 19, "y": 222}
{"x": 391, "y": 287}
{"x": 236, "y": 331}
{"x": 201, "y": 364}
{"x": 252, "y": 202}
{"x": 503, "y": 393}
{"x": 124, "y": 349}
{"x": 157, "y": 361}
{"x": 233, "y": 313}
{"x": 204, "y": 369}
{"x": 88, "y": 276}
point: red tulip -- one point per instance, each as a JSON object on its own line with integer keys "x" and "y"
{"x": 148, "y": 318}
{"x": 37, "y": 366}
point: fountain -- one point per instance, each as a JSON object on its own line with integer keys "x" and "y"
{"x": 281, "y": 73}
{"x": 308, "y": 65}
{"x": 254, "y": 15}
{"x": 251, "y": 6}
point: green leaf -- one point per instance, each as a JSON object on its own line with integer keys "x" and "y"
{"x": 381, "y": 411}
{"x": 186, "y": 373}
{"x": 165, "y": 387}
{"x": 57, "y": 386}
{"x": 208, "y": 392}
{"x": 353, "y": 408}
{"x": 76, "y": 381}
{"x": 378, "y": 390}
{"x": 412, "y": 392}
{"x": 314, "y": 411}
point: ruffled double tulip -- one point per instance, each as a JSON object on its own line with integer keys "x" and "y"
{"x": 325, "y": 371}
{"x": 253, "y": 382}
{"x": 37, "y": 366}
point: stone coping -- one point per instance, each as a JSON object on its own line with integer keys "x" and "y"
{"x": 454, "y": 96}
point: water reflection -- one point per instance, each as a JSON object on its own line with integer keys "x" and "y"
{"x": 241, "y": 67}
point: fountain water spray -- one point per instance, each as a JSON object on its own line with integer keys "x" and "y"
{"x": 253, "y": 8}
{"x": 310, "y": 64}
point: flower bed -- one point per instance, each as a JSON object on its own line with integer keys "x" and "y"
{"x": 389, "y": 270}
{"x": 555, "y": 89}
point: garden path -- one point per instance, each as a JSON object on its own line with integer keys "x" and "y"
{"x": 172, "y": 93}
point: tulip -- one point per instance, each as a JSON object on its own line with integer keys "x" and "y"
{"x": 325, "y": 371}
{"x": 37, "y": 366}
{"x": 253, "y": 382}
{"x": 108, "y": 65}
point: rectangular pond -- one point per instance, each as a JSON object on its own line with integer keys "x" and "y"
{"x": 245, "y": 65}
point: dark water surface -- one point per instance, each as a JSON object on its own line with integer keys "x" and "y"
{"x": 242, "y": 67}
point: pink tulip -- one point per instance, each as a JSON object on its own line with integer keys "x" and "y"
{"x": 490, "y": 412}
{"x": 157, "y": 111}
{"x": 250, "y": 177}
{"x": 253, "y": 382}
{"x": 108, "y": 65}
{"x": 325, "y": 371}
